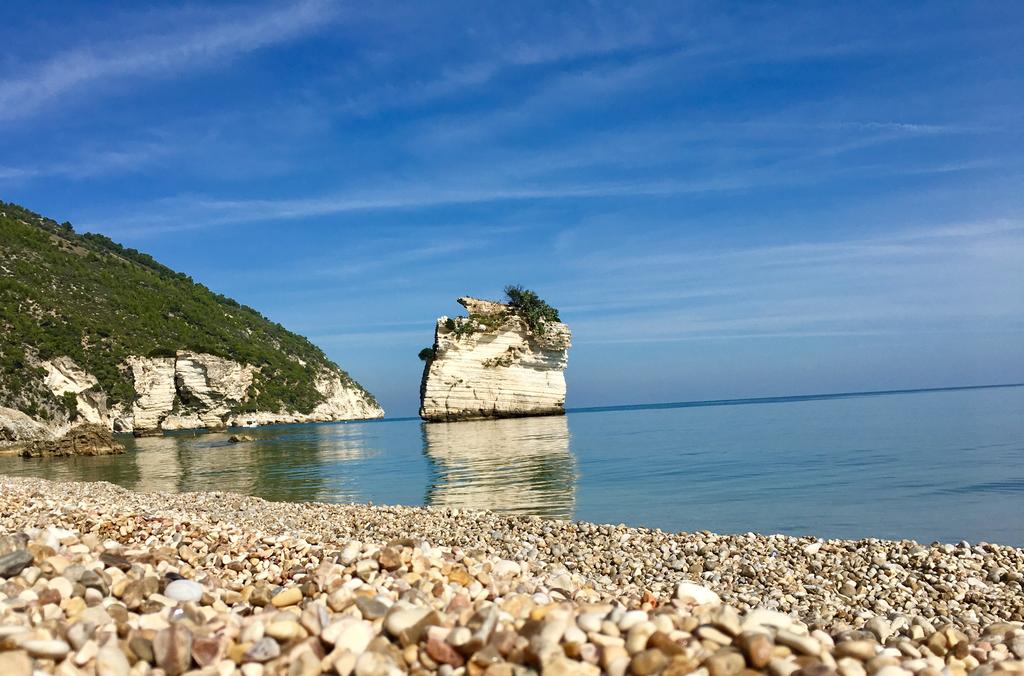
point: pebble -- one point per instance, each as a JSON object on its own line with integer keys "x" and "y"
{"x": 264, "y": 589}
{"x": 13, "y": 563}
{"x": 184, "y": 591}
{"x": 696, "y": 593}
{"x": 288, "y": 597}
{"x": 263, "y": 650}
{"x": 15, "y": 663}
{"x": 47, "y": 648}
{"x": 111, "y": 662}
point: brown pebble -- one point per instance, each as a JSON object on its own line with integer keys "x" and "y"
{"x": 725, "y": 662}
{"x": 443, "y": 653}
{"x": 172, "y": 649}
{"x": 15, "y": 663}
{"x": 757, "y": 649}
{"x": 648, "y": 662}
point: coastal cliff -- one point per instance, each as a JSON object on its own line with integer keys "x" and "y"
{"x": 92, "y": 332}
{"x": 495, "y": 363}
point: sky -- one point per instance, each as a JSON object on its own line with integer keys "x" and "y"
{"x": 723, "y": 199}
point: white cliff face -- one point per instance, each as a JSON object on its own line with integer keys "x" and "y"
{"x": 17, "y": 427}
{"x": 188, "y": 391}
{"x": 64, "y": 376}
{"x": 208, "y": 387}
{"x": 154, "y": 391}
{"x": 195, "y": 390}
{"x": 501, "y": 370}
{"x": 341, "y": 402}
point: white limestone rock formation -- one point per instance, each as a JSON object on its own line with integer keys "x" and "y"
{"x": 341, "y": 402}
{"x": 64, "y": 376}
{"x": 153, "y": 379}
{"x": 18, "y": 428}
{"x": 194, "y": 390}
{"x": 492, "y": 365}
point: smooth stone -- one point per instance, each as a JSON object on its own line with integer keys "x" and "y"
{"x": 757, "y": 649}
{"x": 762, "y": 617}
{"x": 15, "y": 562}
{"x": 376, "y": 664}
{"x": 506, "y": 568}
{"x": 172, "y": 649}
{"x": 709, "y": 633}
{"x": 698, "y": 594}
{"x": 206, "y": 651}
{"x": 400, "y": 619}
{"x": 184, "y": 591}
{"x": 861, "y": 650}
{"x": 47, "y": 648}
{"x": 288, "y": 597}
{"x": 647, "y": 662}
{"x": 563, "y": 666}
{"x": 725, "y": 662}
{"x": 880, "y": 627}
{"x": 589, "y": 622}
{"x": 442, "y": 653}
{"x": 15, "y": 663}
{"x": 349, "y": 634}
{"x": 285, "y": 631}
{"x": 802, "y": 644}
{"x": 110, "y": 661}
{"x": 371, "y": 608}
{"x": 263, "y": 650}
{"x": 631, "y": 618}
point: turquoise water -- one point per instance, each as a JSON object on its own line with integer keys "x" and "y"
{"x": 942, "y": 465}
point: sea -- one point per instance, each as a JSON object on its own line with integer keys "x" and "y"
{"x": 929, "y": 465}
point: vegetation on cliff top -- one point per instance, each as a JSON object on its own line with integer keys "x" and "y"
{"x": 86, "y": 297}
{"x": 522, "y": 303}
{"x": 530, "y": 307}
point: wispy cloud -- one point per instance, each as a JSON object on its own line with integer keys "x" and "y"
{"x": 909, "y": 280}
{"x": 92, "y": 162}
{"x": 164, "y": 54}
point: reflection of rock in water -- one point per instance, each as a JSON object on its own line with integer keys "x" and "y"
{"x": 295, "y": 463}
{"x": 514, "y": 465}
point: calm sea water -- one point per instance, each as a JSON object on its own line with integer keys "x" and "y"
{"x": 940, "y": 465}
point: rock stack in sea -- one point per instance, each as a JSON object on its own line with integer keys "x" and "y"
{"x": 87, "y": 439}
{"x": 492, "y": 364}
{"x": 98, "y": 580}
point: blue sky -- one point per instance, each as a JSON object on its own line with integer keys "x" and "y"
{"x": 724, "y": 200}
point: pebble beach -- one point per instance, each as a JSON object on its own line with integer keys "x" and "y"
{"x": 96, "y": 579}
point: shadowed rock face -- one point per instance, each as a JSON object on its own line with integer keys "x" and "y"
{"x": 88, "y": 439}
{"x": 492, "y": 365}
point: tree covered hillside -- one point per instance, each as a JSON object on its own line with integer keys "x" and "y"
{"x": 89, "y": 298}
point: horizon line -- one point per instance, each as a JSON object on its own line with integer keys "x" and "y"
{"x": 735, "y": 402}
{"x": 784, "y": 398}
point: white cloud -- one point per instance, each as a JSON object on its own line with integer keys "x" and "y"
{"x": 158, "y": 55}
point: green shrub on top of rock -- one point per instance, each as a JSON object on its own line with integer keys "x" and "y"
{"x": 530, "y": 307}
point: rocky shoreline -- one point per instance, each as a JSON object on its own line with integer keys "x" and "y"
{"x": 95, "y": 579}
